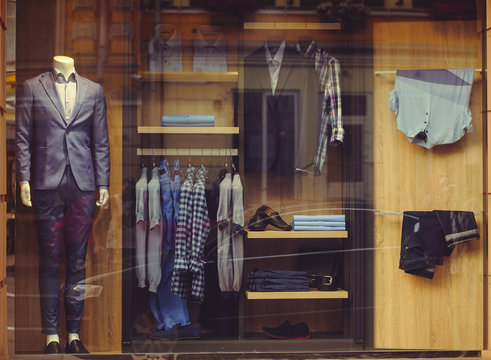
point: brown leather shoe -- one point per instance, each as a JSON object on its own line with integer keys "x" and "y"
{"x": 256, "y": 223}
{"x": 266, "y": 216}
{"x": 76, "y": 347}
{"x": 53, "y": 348}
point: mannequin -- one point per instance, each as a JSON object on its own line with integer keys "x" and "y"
{"x": 69, "y": 149}
{"x": 65, "y": 65}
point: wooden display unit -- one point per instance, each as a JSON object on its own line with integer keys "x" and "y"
{"x": 274, "y": 252}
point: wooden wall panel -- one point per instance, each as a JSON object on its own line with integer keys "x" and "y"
{"x": 411, "y": 312}
{"x": 487, "y": 319}
{"x": 101, "y": 326}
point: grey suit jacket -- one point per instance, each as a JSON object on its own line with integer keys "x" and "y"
{"x": 46, "y": 142}
{"x": 292, "y": 129}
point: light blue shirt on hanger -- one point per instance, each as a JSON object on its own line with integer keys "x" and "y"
{"x": 432, "y": 106}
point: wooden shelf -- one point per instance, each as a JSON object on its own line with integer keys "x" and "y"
{"x": 219, "y": 130}
{"x": 188, "y": 76}
{"x": 287, "y": 295}
{"x": 291, "y": 26}
{"x": 186, "y": 152}
{"x": 274, "y": 234}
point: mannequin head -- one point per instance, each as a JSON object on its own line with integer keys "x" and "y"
{"x": 64, "y": 64}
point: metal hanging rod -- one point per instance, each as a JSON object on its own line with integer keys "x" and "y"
{"x": 274, "y": 25}
{"x": 186, "y": 152}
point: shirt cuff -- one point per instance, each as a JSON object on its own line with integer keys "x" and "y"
{"x": 337, "y": 136}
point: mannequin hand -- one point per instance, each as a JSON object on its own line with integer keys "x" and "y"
{"x": 103, "y": 197}
{"x": 25, "y": 194}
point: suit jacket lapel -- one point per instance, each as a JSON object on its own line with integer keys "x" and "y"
{"x": 49, "y": 86}
{"x": 81, "y": 93}
{"x": 262, "y": 74}
{"x": 285, "y": 71}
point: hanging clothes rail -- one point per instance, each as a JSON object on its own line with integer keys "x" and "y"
{"x": 259, "y": 25}
{"x": 186, "y": 152}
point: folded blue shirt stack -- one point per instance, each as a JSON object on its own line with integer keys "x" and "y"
{"x": 319, "y": 222}
{"x": 188, "y": 120}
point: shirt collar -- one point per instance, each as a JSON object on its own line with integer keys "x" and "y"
{"x": 279, "y": 54}
{"x": 309, "y": 51}
{"x": 171, "y": 43}
{"x": 57, "y": 74}
{"x": 202, "y": 43}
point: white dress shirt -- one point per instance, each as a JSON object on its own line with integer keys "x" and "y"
{"x": 67, "y": 91}
{"x": 274, "y": 64}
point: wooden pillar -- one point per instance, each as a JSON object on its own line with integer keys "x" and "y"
{"x": 488, "y": 272}
{"x": 3, "y": 185}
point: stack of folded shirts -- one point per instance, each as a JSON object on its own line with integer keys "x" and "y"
{"x": 188, "y": 120}
{"x": 319, "y": 222}
{"x": 277, "y": 280}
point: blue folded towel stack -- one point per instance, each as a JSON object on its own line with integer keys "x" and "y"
{"x": 319, "y": 222}
{"x": 188, "y": 120}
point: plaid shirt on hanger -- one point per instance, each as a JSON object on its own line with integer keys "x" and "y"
{"x": 329, "y": 71}
{"x": 193, "y": 226}
{"x": 180, "y": 276}
{"x": 201, "y": 228}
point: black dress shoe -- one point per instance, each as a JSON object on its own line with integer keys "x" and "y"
{"x": 76, "y": 347}
{"x": 53, "y": 348}
{"x": 271, "y": 217}
{"x": 288, "y": 331}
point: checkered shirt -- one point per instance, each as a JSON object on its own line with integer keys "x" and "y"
{"x": 329, "y": 71}
{"x": 180, "y": 278}
{"x": 201, "y": 228}
{"x": 193, "y": 226}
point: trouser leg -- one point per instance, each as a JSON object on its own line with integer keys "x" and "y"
{"x": 78, "y": 225}
{"x": 49, "y": 221}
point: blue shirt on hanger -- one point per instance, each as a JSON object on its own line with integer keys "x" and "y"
{"x": 210, "y": 50}
{"x": 432, "y": 106}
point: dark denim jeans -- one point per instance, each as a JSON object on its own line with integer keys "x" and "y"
{"x": 277, "y": 274}
{"x": 428, "y": 236}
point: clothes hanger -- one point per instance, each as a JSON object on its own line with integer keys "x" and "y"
{"x": 177, "y": 167}
{"x": 274, "y": 42}
{"x": 210, "y": 32}
{"x": 234, "y": 169}
{"x": 226, "y": 162}
{"x": 166, "y": 31}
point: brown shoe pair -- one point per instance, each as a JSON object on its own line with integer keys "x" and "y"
{"x": 265, "y": 216}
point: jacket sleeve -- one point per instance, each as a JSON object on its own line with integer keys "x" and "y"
{"x": 23, "y": 132}
{"x": 101, "y": 141}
